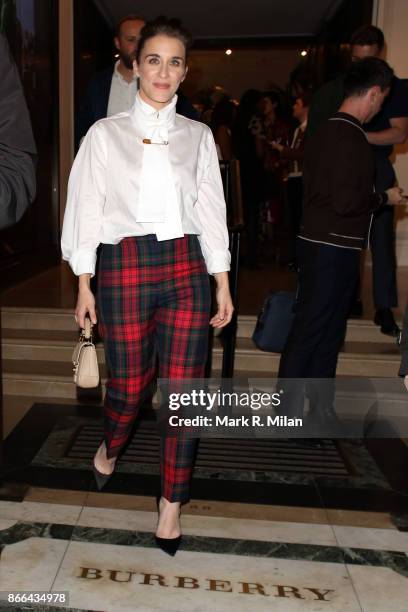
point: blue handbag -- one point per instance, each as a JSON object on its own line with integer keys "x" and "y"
{"x": 274, "y": 322}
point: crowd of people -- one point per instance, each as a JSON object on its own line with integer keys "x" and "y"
{"x": 270, "y": 145}
{"x": 265, "y": 132}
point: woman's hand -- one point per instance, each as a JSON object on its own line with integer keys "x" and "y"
{"x": 276, "y": 145}
{"x": 85, "y": 302}
{"x": 224, "y": 302}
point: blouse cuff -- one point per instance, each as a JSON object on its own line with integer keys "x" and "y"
{"x": 218, "y": 261}
{"x": 83, "y": 262}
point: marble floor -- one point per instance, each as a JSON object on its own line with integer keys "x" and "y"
{"x": 98, "y": 549}
{"x": 298, "y": 543}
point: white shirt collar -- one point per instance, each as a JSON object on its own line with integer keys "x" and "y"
{"x": 147, "y": 116}
{"x": 303, "y": 125}
{"x": 120, "y": 76}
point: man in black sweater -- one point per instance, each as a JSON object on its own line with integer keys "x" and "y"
{"x": 339, "y": 202}
{"x": 388, "y": 128}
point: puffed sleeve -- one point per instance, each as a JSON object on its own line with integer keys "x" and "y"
{"x": 211, "y": 209}
{"x": 82, "y": 224}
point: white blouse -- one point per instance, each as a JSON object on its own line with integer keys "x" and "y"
{"x": 111, "y": 167}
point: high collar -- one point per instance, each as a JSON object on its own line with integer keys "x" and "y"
{"x": 146, "y": 115}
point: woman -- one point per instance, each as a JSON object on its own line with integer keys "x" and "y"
{"x": 293, "y": 182}
{"x": 146, "y": 185}
{"x": 273, "y": 128}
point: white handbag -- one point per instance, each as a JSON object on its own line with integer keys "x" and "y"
{"x": 84, "y": 360}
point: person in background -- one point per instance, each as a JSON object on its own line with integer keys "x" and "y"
{"x": 243, "y": 140}
{"x": 222, "y": 120}
{"x": 293, "y": 181}
{"x": 113, "y": 90}
{"x": 403, "y": 370}
{"x": 18, "y": 153}
{"x": 339, "y": 203}
{"x": 18, "y": 156}
{"x": 272, "y": 129}
{"x": 388, "y": 128}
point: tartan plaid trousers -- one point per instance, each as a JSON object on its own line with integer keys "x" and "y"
{"x": 153, "y": 303}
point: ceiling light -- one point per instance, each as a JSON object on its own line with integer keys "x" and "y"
{"x": 228, "y": 52}
{"x": 303, "y": 53}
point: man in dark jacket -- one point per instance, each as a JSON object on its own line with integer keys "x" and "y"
{"x": 339, "y": 203}
{"x": 388, "y": 128}
{"x": 18, "y": 156}
{"x": 113, "y": 89}
{"x": 18, "y": 152}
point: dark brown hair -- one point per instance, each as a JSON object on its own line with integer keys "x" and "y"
{"x": 169, "y": 27}
{"x": 367, "y": 73}
{"x": 368, "y": 35}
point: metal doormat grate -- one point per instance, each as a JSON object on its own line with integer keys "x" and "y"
{"x": 228, "y": 453}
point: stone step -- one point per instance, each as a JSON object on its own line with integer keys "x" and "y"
{"x": 57, "y": 346}
{"x": 358, "y": 330}
{"x": 38, "y": 318}
{"x": 52, "y": 319}
{"x": 45, "y": 369}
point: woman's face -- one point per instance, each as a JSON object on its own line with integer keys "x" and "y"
{"x": 161, "y": 69}
{"x": 267, "y": 106}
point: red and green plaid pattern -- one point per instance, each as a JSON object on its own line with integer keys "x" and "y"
{"x": 153, "y": 305}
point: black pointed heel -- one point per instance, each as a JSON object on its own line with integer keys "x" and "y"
{"x": 167, "y": 545}
{"x": 101, "y": 479}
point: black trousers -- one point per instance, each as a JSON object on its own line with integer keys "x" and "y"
{"x": 403, "y": 371}
{"x": 294, "y": 197}
{"x": 328, "y": 277}
{"x": 327, "y": 280}
{"x": 382, "y": 240}
{"x": 382, "y": 243}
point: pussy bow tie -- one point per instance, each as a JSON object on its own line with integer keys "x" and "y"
{"x": 158, "y": 200}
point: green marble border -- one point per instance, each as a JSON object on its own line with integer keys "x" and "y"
{"x": 397, "y": 561}
{"x": 51, "y": 454}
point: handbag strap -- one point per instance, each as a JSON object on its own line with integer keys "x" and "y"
{"x": 88, "y": 329}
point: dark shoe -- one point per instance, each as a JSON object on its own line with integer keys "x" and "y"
{"x": 168, "y": 545}
{"x": 356, "y": 310}
{"x": 101, "y": 479}
{"x": 385, "y": 318}
{"x": 325, "y": 423}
